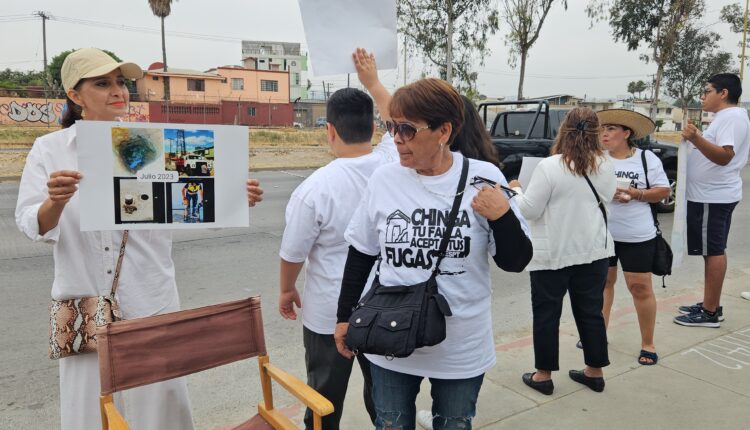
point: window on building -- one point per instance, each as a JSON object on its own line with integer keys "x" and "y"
{"x": 295, "y": 78}
{"x": 705, "y": 114}
{"x": 238, "y": 84}
{"x": 196, "y": 85}
{"x": 294, "y": 64}
{"x": 156, "y": 78}
{"x": 669, "y": 111}
{"x": 251, "y": 111}
{"x": 267, "y": 85}
{"x": 658, "y": 111}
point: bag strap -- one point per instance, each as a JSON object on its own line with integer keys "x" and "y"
{"x": 601, "y": 208}
{"x": 116, "y": 279}
{"x": 648, "y": 187}
{"x": 453, "y": 214}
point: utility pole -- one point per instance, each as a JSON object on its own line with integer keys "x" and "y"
{"x": 449, "y": 45}
{"x": 347, "y": 79}
{"x": 45, "y": 17}
{"x": 404, "y": 60}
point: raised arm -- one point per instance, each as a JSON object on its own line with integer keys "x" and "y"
{"x": 367, "y": 72}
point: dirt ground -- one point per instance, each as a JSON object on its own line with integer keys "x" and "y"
{"x": 270, "y": 149}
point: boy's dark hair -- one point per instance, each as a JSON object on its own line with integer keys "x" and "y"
{"x": 350, "y": 111}
{"x": 729, "y": 82}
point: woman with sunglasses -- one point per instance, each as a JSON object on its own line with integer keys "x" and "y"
{"x": 85, "y": 262}
{"x": 631, "y": 222}
{"x": 402, "y": 213}
{"x": 565, "y": 204}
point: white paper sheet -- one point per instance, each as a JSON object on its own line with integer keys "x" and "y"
{"x": 143, "y": 176}
{"x": 528, "y": 164}
{"x": 335, "y": 28}
{"x": 679, "y": 232}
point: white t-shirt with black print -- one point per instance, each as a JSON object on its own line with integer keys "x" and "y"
{"x": 317, "y": 215}
{"x": 403, "y": 222}
{"x": 708, "y": 182}
{"x": 632, "y": 222}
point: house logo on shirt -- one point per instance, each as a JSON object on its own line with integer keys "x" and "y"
{"x": 415, "y": 240}
{"x": 397, "y": 228}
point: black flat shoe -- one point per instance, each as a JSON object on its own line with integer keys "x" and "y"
{"x": 544, "y": 387}
{"x": 596, "y": 384}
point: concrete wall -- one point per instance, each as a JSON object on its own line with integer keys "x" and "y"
{"x": 40, "y": 112}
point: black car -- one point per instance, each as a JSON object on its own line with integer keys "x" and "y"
{"x": 531, "y": 132}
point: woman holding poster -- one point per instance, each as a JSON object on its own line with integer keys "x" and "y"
{"x": 86, "y": 262}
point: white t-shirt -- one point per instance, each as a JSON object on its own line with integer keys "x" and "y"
{"x": 316, "y": 217}
{"x": 708, "y": 182}
{"x": 632, "y": 222}
{"x": 403, "y": 222}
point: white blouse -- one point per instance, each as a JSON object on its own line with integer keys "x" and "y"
{"x": 85, "y": 261}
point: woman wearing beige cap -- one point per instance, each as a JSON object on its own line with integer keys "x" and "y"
{"x": 86, "y": 262}
{"x": 631, "y": 222}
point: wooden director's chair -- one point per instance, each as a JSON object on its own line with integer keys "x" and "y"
{"x": 143, "y": 351}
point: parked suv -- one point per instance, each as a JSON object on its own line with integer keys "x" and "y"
{"x": 321, "y": 122}
{"x": 531, "y": 133}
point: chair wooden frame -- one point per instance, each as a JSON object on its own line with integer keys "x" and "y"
{"x": 175, "y": 328}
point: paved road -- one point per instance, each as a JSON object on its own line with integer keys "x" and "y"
{"x": 215, "y": 266}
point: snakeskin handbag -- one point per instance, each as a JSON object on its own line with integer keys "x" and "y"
{"x": 73, "y": 322}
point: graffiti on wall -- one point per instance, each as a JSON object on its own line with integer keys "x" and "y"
{"x": 40, "y": 112}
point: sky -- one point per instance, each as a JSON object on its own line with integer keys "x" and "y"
{"x": 570, "y": 56}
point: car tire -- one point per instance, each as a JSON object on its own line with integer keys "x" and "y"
{"x": 667, "y": 205}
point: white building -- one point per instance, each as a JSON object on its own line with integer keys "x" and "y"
{"x": 281, "y": 56}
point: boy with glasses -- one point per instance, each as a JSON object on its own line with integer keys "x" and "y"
{"x": 714, "y": 187}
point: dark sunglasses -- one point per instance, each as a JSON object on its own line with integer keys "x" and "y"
{"x": 405, "y": 130}
{"x": 477, "y": 181}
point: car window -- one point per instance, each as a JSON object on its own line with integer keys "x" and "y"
{"x": 514, "y": 125}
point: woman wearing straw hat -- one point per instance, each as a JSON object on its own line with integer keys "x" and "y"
{"x": 85, "y": 262}
{"x": 631, "y": 221}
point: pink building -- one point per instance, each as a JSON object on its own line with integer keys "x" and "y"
{"x": 213, "y": 86}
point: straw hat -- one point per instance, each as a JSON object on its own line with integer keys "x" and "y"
{"x": 90, "y": 63}
{"x": 641, "y": 125}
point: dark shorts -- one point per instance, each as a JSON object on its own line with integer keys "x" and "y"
{"x": 637, "y": 257}
{"x": 708, "y": 227}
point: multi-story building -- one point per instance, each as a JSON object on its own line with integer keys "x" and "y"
{"x": 278, "y": 56}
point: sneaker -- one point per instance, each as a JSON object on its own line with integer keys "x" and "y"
{"x": 424, "y": 419}
{"x": 699, "y": 319}
{"x": 691, "y": 309}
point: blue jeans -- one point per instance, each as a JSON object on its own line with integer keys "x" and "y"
{"x": 454, "y": 401}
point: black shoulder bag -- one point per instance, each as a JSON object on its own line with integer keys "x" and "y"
{"x": 395, "y": 320}
{"x": 662, "y": 265}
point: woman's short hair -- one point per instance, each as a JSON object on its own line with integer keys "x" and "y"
{"x": 578, "y": 141}
{"x": 431, "y": 100}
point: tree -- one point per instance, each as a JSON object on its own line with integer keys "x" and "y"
{"x": 162, "y": 9}
{"x": 637, "y": 87}
{"x": 653, "y": 23}
{"x": 734, "y": 15}
{"x": 55, "y": 66}
{"x": 659, "y": 123}
{"x": 695, "y": 59}
{"x": 450, "y": 34}
{"x": 525, "y": 19}
{"x": 12, "y": 82}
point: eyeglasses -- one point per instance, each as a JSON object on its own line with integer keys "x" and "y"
{"x": 404, "y": 129}
{"x": 477, "y": 181}
{"x": 707, "y": 91}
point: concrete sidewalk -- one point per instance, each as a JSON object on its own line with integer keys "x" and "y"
{"x": 702, "y": 378}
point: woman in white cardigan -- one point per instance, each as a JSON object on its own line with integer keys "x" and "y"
{"x": 565, "y": 205}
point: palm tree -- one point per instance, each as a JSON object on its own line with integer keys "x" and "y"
{"x": 162, "y": 9}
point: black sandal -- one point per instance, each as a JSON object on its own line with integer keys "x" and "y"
{"x": 649, "y": 356}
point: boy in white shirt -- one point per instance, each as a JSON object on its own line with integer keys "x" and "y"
{"x": 714, "y": 187}
{"x": 317, "y": 215}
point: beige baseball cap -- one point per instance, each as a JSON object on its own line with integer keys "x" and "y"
{"x": 92, "y": 62}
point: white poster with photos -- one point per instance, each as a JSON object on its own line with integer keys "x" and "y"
{"x": 149, "y": 176}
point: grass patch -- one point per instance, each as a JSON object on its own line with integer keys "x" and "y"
{"x": 22, "y": 136}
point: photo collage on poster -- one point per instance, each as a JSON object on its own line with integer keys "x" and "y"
{"x": 178, "y": 167}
